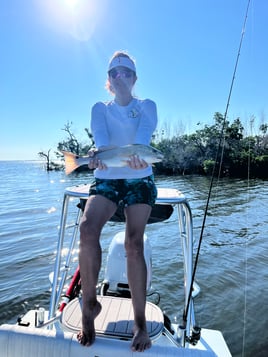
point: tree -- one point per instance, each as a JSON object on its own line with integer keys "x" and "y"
{"x": 50, "y": 165}
{"x": 46, "y": 156}
{"x": 72, "y": 144}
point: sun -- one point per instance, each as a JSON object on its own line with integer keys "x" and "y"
{"x": 79, "y": 18}
{"x": 72, "y": 5}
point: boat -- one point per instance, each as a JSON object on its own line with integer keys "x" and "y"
{"x": 52, "y": 332}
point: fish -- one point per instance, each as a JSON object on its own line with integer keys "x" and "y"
{"x": 115, "y": 157}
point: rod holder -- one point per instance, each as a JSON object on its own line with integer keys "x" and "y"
{"x": 181, "y": 335}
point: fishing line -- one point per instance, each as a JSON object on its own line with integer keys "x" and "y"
{"x": 219, "y": 153}
{"x": 246, "y": 245}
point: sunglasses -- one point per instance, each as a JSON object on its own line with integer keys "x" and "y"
{"x": 115, "y": 73}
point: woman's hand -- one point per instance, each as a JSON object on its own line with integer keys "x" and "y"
{"x": 136, "y": 163}
{"x": 95, "y": 163}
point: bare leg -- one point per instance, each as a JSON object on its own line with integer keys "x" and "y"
{"x": 98, "y": 211}
{"x": 137, "y": 216}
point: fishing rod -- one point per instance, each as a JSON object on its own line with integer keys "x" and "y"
{"x": 185, "y": 313}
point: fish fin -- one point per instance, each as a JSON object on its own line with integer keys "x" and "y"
{"x": 71, "y": 163}
{"x": 105, "y": 148}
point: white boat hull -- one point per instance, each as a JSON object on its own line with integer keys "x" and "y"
{"x": 37, "y": 342}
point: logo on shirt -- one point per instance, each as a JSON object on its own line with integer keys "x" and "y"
{"x": 133, "y": 113}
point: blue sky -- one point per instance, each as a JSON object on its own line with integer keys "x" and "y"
{"x": 54, "y": 56}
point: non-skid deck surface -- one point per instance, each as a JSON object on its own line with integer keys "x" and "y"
{"x": 115, "y": 318}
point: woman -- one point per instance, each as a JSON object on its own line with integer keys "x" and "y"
{"x": 124, "y": 120}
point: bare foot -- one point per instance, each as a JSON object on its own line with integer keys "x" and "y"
{"x": 87, "y": 336}
{"x": 141, "y": 340}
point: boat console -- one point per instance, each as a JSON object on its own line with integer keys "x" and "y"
{"x": 168, "y": 199}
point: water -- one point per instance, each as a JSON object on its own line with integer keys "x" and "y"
{"x": 232, "y": 269}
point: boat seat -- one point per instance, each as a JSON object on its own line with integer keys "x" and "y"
{"x": 116, "y": 318}
{"x": 159, "y": 213}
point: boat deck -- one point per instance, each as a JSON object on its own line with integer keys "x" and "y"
{"x": 116, "y": 318}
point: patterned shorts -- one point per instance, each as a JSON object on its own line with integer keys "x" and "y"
{"x": 126, "y": 191}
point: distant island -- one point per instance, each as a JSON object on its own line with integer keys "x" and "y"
{"x": 221, "y": 147}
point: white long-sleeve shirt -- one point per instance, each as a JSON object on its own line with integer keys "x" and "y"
{"x": 112, "y": 124}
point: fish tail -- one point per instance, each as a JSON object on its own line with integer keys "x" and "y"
{"x": 71, "y": 162}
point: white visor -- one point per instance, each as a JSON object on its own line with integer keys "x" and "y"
{"x": 122, "y": 61}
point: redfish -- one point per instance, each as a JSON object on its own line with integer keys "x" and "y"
{"x": 115, "y": 157}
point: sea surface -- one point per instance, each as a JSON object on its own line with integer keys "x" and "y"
{"x": 232, "y": 269}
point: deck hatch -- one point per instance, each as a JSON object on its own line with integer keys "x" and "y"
{"x": 115, "y": 319}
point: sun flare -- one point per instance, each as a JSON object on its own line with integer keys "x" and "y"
{"x": 79, "y": 18}
{"x": 71, "y": 3}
